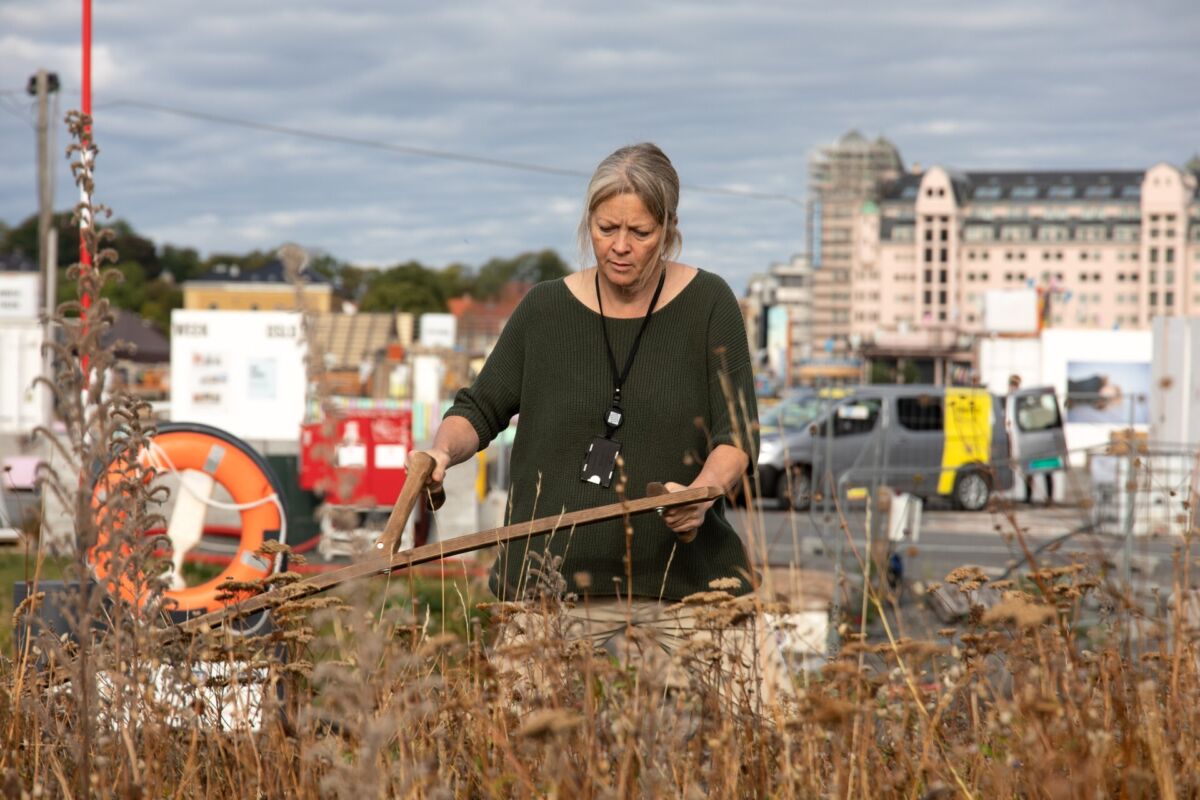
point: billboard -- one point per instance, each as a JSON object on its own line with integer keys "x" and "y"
{"x": 1108, "y": 392}
{"x": 241, "y": 371}
{"x": 777, "y": 340}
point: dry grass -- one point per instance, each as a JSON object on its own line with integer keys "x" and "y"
{"x": 365, "y": 698}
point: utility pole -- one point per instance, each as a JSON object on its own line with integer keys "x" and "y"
{"x": 41, "y": 85}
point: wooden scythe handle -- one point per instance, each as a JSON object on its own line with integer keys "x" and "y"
{"x": 420, "y": 467}
{"x": 383, "y": 564}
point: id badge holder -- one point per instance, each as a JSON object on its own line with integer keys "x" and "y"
{"x": 600, "y": 461}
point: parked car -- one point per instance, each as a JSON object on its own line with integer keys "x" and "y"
{"x": 924, "y": 440}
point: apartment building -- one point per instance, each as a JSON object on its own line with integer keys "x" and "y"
{"x": 842, "y": 177}
{"x": 1105, "y": 248}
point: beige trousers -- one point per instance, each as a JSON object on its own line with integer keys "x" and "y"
{"x": 694, "y": 646}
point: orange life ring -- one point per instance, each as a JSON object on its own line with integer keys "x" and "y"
{"x": 250, "y": 482}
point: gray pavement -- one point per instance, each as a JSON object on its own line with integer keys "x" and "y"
{"x": 948, "y": 539}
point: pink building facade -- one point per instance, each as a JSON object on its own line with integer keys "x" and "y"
{"x": 1109, "y": 249}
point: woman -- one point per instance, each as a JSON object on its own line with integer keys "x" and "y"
{"x": 552, "y": 365}
{"x": 636, "y": 369}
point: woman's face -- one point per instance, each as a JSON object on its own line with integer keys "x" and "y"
{"x": 625, "y": 238}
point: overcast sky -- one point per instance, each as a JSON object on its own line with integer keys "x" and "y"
{"x": 738, "y": 94}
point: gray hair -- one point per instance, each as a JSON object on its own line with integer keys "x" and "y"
{"x": 644, "y": 171}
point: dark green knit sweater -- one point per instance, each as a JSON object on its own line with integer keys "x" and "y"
{"x": 550, "y": 366}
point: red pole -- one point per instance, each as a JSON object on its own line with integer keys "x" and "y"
{"x": 85, "y": 217}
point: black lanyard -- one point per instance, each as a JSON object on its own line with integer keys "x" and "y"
{"x": 615, "y": 415}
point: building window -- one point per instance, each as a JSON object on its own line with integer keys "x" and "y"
{"x": 943, "y": 255}
{"x": 943, "y": 277}
{"x": 942, "y": 297}
{"x": 1153, "y": 255}
{"x": 1083, "y": 276}
{"x": 928, "y": 297}
{"x": 929, "y": 234}
{"x": 1095, "y": 277}
{"x": 1168, "y": 276}
{"x": 941, "y": 316}
{"x": 929, "y": 276}
{"x": 1169, "y": 255}
{"x": 1153, "y": 277}
{"x": 1169, "y": 298}
{"x": 1083, "y": 256}
{"x": 1154, "y": 298}
{"x": 945, "y": 237}
{"x": 928, "y": 255}
{"x": 1052, "y": 233}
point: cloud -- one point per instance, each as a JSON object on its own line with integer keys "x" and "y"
{"x": 738, "y": 94}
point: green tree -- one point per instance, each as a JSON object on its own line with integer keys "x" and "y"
{"x": 544, "y": 265}
{"x": 405, "y": 287}
{"x": 255, "y": 259}
{"x": 181, "y": 262}
{"x": 352, "y": 282}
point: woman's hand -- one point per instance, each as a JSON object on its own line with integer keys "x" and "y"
{"x": 723, "y": 469}
{"x": 684, "y": 520}
{"x": 441, "y": 462}
{"x": 455, "y": 442}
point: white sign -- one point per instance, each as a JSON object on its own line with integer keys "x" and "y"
{"x": 241, "y": 371}
{"x": 438, "y": 330}
{"x": 428, "y": 372}
{"x": 1010, "y": 311}
{"x": 19, "y": 295}
{"x": 23, "y": 406}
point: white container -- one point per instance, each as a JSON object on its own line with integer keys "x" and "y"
{"x": 23, "y": 406}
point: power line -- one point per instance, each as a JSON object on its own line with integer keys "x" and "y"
{"x": 445, "y": 155}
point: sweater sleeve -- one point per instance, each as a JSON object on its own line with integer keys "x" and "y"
{"x": 490, "y": 403}
{"x": 733, "y": 410}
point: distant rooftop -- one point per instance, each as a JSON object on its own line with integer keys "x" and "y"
{"x": 271, "y": 273}
{"x": 1027, "y": 186}
{"x": 350, "y": 339}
